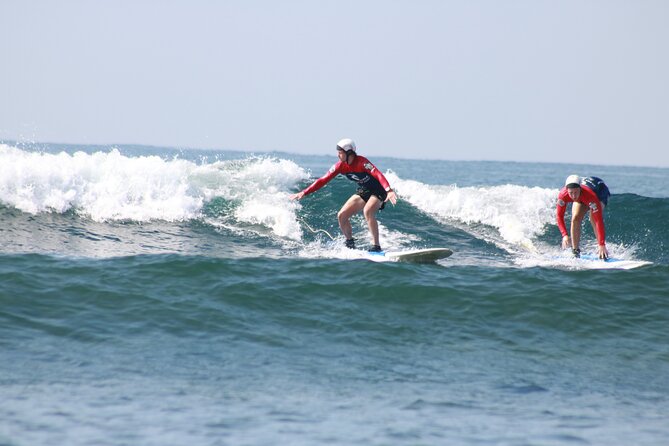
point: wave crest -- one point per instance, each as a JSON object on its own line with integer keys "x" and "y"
{"x": 111, "y": 186}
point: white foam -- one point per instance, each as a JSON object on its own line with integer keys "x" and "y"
{"x": 104, "y": 186}
{"x": 518, "y": 213}
{"x": 555, "y": 257}
{"x": 261, "y": 185}
{"x": 334, "y": 249}
{"x": 110, "y": 186}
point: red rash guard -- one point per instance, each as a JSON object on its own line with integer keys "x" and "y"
{"x": 360, "y": 170}
{"x": 588, "y": 197}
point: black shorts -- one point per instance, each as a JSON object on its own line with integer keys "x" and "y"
{"x": 600, "y": 188}
{"x": 366, "y": 193}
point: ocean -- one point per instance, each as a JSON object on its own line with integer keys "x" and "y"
{"x": 158, "y": 296}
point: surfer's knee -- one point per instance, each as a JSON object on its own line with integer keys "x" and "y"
{"x": 371, "y": 207}
{"x": 341, "y": 215}
{"x": 344, "y": 214}
{"x": 370, "y": 213}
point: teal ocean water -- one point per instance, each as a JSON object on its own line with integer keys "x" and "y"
{"x": 154, "y": 296}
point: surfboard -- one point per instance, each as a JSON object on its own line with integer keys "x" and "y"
{"x": 428, "y": 255}
{"x": 593, "y": 261}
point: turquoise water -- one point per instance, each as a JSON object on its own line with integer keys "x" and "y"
{"x": 157, "y": 296}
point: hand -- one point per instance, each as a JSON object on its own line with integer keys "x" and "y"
{"x": 298, "y": 196}
{"x": 566, "y": 242}
{"x": 392, "y": 197}
{"x": 603, "y": 252}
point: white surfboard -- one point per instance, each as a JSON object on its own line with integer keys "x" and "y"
{"x": 428, "y": 255}
{"x": 594, "y": 262}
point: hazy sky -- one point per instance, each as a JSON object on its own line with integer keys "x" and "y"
{"x": 575, "y": 81}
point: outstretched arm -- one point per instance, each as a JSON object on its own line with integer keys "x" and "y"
{"x": 297, "y": 196}
{"x": 322, "y": 181}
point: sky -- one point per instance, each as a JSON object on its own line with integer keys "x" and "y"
{"x": 581, "y": 81}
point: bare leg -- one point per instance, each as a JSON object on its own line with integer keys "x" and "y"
{"x": 352, "y": 206}
{"x": 578, "y": 211}
{"x": 372, "y": 206}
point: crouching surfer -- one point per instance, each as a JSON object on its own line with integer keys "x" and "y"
{"x": 590, "y": 193}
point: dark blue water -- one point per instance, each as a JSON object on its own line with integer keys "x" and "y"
{"x": 153, "y": 296}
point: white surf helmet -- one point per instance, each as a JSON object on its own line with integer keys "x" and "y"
{"x": 347, "y": 145}
{"x": 573, "y": 181}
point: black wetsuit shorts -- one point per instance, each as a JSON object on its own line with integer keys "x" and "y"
{"x": 365, "y": 193}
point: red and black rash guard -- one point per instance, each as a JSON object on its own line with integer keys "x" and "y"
{"x": 361, "y": 170}
{"x": 589, "y": 198}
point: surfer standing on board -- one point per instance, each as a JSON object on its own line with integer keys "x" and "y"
{"x": 588, "y": 193}
{"x": 371, "y": 196}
